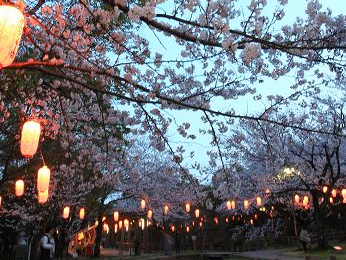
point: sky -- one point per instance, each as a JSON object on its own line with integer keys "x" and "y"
{"x": 245, "y": 105}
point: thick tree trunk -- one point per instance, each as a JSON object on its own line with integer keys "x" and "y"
{"x": 320, "y": 227}
{"x": 98, "y": 232}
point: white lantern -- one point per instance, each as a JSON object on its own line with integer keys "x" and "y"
{"x": 19, "y": 188}
{"x": 30, "y": 138}
{"x": 66, "y": 212}
{"x": 11, "y": 30}
{"x": 43, "y": 196}
{"x": 116, "y": 216}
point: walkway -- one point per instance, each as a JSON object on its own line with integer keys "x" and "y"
{"x": 271, "y": 254}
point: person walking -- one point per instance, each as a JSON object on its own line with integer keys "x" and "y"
{"x": 305, "y": 239}
{"x": 47, "y": 245}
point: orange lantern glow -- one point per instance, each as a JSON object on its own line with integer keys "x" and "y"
{"x": 150, "y": 214}
{"x": 43, "y": 196}
{"x": 187, "y": 229}
{"x": 66, "y": 212}
{"x": 143, "y": 204}
{"x": 227, "y": 220}
{"x": 233, "y": 204}
{"x": 267, "y": 191}
{"x": 324, "y": 189}
{"x": 187, "y": 207}
{"x": 120, "y": 224}
{"x": 115, "y": 228}
{"x": 334, "y": 193}
{"x": 0, "y": 201}
{"x": 331, "y": 200}
{"x": 229, "y": 205}
{"x": 126, "y": 224}
{"x": 11, "y": 24}
{"x": 216, "y": 220}
{"x": 106, "y": 228}
{"x": 200, "y": 224}
{"x": 104, "y": 218}
{"x": 19, "y": 188}
{"x": 43, "y": 178}
{"x": 251, "y": 221}
{"x": 172, "y": 228}
{"x": 197, "y": 213}
{"x": 116, "y": 216}
{"x": 296, "y": 199}
{"x": 82, "y": 213}
{"x": 259, "y": 201}
{"x": 30, "y": 138}
{"x": 246, "y": 204}
{"x": 305, "y": 201}
{"x": 165, "y": 209}
{"x": 343, "y": 193}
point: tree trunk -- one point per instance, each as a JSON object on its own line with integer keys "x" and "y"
{"x": 98, "y": 233}
{"x": 320, "y": 227}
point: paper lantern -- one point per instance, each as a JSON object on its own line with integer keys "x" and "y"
{"x": 343, "y": 193}
{"x": 0, "y": 201}
{"x": 227, "y": 220}
{"x": 296, "y": 199}
{"x": 11, "y": 30}
{"x": 267, "y": 191}
{"x": 19, "y": 188}
{"x": 229, "y": 205}
{"x": 150, "y": 214}
{"x": 187, "y": 229}
{"x": 187, "y": 207}
{"x": 30, "y": 138}
{"x": 143, "y": 223}
{"x": 233, "y": 204}
{"x": 259, "y": 201}
{"x": 66, "y": 212}
{"x": 251, "y": 221}
{"x": 115, "y": 228}
{"x": 106, "y": 228}
{"x": 334, "y": 193}
{"x": 120, "y": 224}
{"x": 126, "y": 224}
{"x": 116, "y": 215}
{"x": 324, "y": 189}
{"x": 193, "y": 223}
{"x": 165, "y": 209}
{"x": 197, "y": 213}
{"x": 246, "y": 204}
{"x": 173, "y": 228}
{"x": 331, "y": 200}
{"x": 143, "y": 204}
{"x": 216, "y": 220}
{"x": 200, "y": 224}
{"x": 43, "y": 196}
{"x": 305, "y": 201}
{"x": 104, "y": 218}
{"x": 43, "y": 178}
{"x": 82, "y": 213}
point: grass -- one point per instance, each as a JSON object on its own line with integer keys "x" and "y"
{"x": 320, "y": 254}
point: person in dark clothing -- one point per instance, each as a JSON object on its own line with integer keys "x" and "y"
{"x": 47, "y": 245}
{"x": 177, "y": 242}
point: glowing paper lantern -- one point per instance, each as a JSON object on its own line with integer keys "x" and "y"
{"x": 172, "y": 228}
{"x": 120, "y": 224}
{"x": 43, "y": 196}
{"x": 43, "y": 178}
{"x": 251, "y": 221}
{"x": 115, "y": 228}
{"x": 126, "y": 224}
{"x": 233, "y": 204}
{"x": 343, "y": 193}
{"x": 229, "y": 205}
{"x": 216, "y": 220}
{"x": 0, "y": 201}
{"x": 165, "y": 209}
{"x": 103, "y": 218}
{"x": 187, "y": 229}
{"x": 116, "y": 215}
{"x": 142, "y": 223}
{"x": 19, "y": 188}
{"x": 259, "y": 201}
{"x": 331, "y": 200}
{"x": 106, "y": 228}
{"x": 11, "y": 24}
{"x": 187, "y": 207}
{"x": 305, "y": 201}
{"x": 197, "y": 213}
{"x": 200, "y": 224}
{"x": 30, "y": 138}
{"x": 334, "y": 193}
{"x": 227, "y": 220}
{"x": 66, "y": 212}
{"x": 82, "y": 213}
{"x": 267, "y": 191}
{"x": 143, "y": 204}
{"x": 324, "y": 189}
{"x": 296, "y": 199}
{"x": 246, "y": 204}
{"x": 150, "y": 214}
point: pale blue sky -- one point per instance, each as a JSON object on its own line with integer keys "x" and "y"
{"x": 244, "y": 105}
